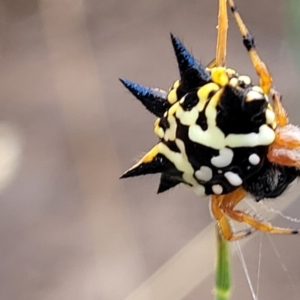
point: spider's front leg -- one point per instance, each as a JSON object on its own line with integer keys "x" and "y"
{"x": 285, "y": 150}
{"x": 281, "y": 116}
{"x": 265, "y": 78}
{"x": 219, "y": 206}
{"x": 222, "y": 207}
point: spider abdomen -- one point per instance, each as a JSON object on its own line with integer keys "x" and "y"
{"x": 214, "y": 133}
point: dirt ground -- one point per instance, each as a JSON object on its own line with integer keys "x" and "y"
{"x": 69, "y": 228}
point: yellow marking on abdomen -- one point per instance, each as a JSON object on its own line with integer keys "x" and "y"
{"x": 147, "y": 158}
{"x": 213, "y": 137}
{"x": 170, "y": 134}
{"x": 203, "y": 94}
{"x": 174, "y": 108}
{"x": 172, "y": 95}
{"x": 179, "y": 160}
{"x": 219, "y": 76}
{"x": 188, "y": 117}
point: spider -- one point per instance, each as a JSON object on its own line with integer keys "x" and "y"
{"x": 219, "y": 134}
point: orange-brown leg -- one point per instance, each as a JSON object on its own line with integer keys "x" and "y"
{"x": 222, "y": 34}
{"x": 240, "y": 216}
{"x": 265, "y": 78}
{"x": 280, "y": 112}
{"x": 285, "y": 150}
{"x": 212, "y": 64}
{"x": 222, "y": 206}
{"x": 219, "y": 214}
{"x": 227, "y": 207}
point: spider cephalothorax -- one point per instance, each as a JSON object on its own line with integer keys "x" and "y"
{"x": 219, "y": 135}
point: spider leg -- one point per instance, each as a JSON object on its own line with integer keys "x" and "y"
{"x": 222, "y": 34}
{"x": 285, "y": 150}
{"x": 280, "y": 113}
{"x": 227, "y": 207}
{"x": 265, "y": 78}
{"x": 212, "y": 64}
{"x": 220, "y": 215}
{"x": 240, "y": 216}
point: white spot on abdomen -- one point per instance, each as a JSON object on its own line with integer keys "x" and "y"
{"x": 224, "y": 159}
{"x": 217, "y": 189}
{"x": 204, "y": 173}
{"x": 233, "y": 178}
{"x": 245, "y": 79}
{"x": 254, "y": 159}
{"x": 254, "y": 95}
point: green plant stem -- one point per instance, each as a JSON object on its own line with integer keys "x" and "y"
{"x": 223, "y": 271}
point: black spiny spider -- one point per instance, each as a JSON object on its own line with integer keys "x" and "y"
{"x": 219, "y": 134}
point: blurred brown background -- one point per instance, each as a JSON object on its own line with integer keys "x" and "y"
{"x": 69, "y": 229}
